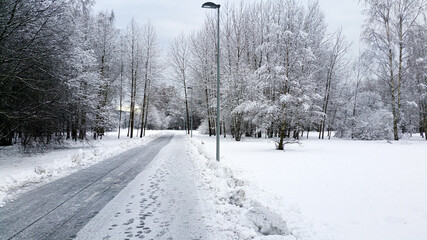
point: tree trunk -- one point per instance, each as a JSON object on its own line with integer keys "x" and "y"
{"x": 393, "y": 100}
{"x": 128, "y": 128}
{"x": 68, "y": 130}
{"x": 399, "y": 83}
{"x": 207, "y": 108}
{"x": 121, "y": 98}
{"x": 353, "y": 123}
{"x": 210, "y": 127}
{"x": 146, "y": 111}
{"x": 282, "y": 134}
{"x": 144, "y": 104}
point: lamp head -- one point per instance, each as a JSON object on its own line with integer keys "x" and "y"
{"x": 210, "y": 5}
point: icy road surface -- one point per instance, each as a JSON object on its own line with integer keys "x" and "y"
{"x": 58, "y": 210}
{"x": 161, "y": 203}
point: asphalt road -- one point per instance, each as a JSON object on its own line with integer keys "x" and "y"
{"x": 58, "y": 210}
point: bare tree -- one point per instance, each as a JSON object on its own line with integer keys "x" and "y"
{"x": 179, "y": 58}
{"x": 335, "y": 56}
{"x": 386, "y": 30}
{"x": 203, "y": 63}
{"x": 151, "y": 69}
{"x": 134, "y": 38}
{"x": 417, "y": 65}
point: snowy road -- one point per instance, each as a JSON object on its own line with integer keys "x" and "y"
{"x": 60, "y": 209}
{"x": 163, "y": 202}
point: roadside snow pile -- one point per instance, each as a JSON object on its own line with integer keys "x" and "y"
{"x": 266, "y": 221}
{"x": 21, "y": 172}
{"x": 241, "y": 210}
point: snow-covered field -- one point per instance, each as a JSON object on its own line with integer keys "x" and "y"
{"x": 20, "y": 172}
{"x": 370, "y": 190}
{"x": 324, "y": 189}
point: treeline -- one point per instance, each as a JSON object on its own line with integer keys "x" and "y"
{"x": 66, "y": 73}
{"x": 35, "y": 57}
{"x": 283, "y": 73}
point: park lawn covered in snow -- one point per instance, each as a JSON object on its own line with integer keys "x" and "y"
{"x": 20, "y": 172}
{"x": 371, "y": 190}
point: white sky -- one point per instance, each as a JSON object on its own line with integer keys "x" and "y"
{"x": 170, "y": 17}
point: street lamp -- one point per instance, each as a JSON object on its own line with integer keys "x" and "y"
{"x": 212, "y": 5}
{"x": 191, "y": 110}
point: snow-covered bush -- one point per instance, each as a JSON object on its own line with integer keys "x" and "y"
{"x": 374, "y": 125}
{"x": 371, "y": 121}
{"x": 155, "y": 118}
{"x": 204, "y": 127}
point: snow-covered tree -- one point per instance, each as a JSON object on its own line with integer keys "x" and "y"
{"x": 151, "y": 70}
{"x": 387, "y": 29}
{"x": 105, "y": 45}
{"x": 134, "y": 59}
{"x": 179, "y": 58}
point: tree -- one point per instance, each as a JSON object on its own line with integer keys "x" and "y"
{"x": 151, "y": 69}
{"x": 33, "y": 52}
{"x": 203, "y": 63}
{"x": 417, "y": 65}
{"x": 386, "y": 32}
{"x": 134, "y": 46}
{"x": 270, "y": 68}
{"x": 121, "y": 59}
{"x": 335, "y": 57}
{"x": 105, "y": 44}
{"x": 179, "y": 58}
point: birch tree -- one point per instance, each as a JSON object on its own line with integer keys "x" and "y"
{"x": 386, "y": 32}
{"x": 417, "y": 68}
{"x": 151, "y": 69}
{"x": 134, "y": 59}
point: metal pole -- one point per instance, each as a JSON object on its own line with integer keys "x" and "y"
{"x": 191, "y": 110}
{"x": 217, "y": 96}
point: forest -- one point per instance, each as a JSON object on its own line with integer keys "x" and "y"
{"x": 67, "y": 73}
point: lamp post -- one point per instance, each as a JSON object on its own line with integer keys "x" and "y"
{"x": 191, "y": 110}
{"x": 212, "y": 5}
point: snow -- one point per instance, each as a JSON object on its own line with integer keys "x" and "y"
{"x": 186, "y": 194}
{"x": 320, "y": 189}
{"x": 158, "y": 204}
{"x": 343, "y": 189}
{"x": 20, "y": 172}
{"x": 234, "y": 208}
{"x": 244, "y": 211}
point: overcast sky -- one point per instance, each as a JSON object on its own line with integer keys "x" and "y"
{"x": 170, "y": 17}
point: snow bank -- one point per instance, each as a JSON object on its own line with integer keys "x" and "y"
{"x": 266, "y": 221}
{"x": 239, "y": 211}
{"x": 20, "y": 172}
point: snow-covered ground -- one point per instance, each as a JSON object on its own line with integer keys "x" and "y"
{"x": 185, "y": 194}
{"x": 371, "y": 190}
{"x": 20, "y": 172}
{"x": 318, "y": 190}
